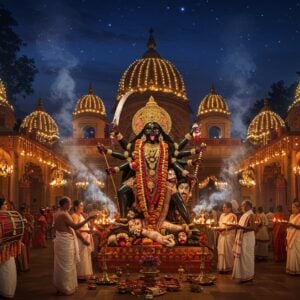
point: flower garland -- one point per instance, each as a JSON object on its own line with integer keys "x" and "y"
{"x": 151, "y": 206}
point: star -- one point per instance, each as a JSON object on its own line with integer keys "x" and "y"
{"x": 182, "y": 9}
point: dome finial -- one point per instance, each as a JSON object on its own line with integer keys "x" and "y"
{"x": 151, "y": 42}
{"x": 40, "y": 106}
{"x": 212, "y": 89}
{"x": 266, "y": 105}
{"x": 90, "y": 91}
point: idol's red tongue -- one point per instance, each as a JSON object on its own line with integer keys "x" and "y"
{"x": 152, "y": 138}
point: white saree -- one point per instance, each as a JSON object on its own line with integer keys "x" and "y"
{"x": 84, "y": 266}
{"x": 225, "y": 243}
{"x": 66, "y": 255}
{"x": 243, "y": 250}
{"x": 293, "y": 247}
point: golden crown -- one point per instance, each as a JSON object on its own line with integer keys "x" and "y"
{"x": 151, "y": 112}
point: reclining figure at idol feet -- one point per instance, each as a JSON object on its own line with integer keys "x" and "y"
{"x": 145, "y": 186}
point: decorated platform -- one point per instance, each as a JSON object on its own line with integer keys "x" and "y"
{"x": 128, "y": 258}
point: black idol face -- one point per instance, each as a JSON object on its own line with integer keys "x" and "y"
{"x": 152, "y": 131}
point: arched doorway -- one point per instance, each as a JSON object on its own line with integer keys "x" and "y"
{"x": 214, "y": 132}
{"x": 32, "y": 187}
{"x": 273, "y": 188}
{"x": 89, "y": 132}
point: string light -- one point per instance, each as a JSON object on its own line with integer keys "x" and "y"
{"x": 43, "y": 125}
{"x": 3, "y": 97}
{"x": 262, "y": 126}
{"x": 90, "y": 103}
{"x": 213, "y": 103}
{"x": 152, "y": 74}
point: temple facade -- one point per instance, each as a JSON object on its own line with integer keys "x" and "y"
{"x": 37, "y": 167}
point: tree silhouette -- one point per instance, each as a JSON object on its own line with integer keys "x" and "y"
{"x": 280, "y": 97}
{"x": 17, "y": 72}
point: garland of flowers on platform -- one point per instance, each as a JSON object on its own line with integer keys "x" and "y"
{"x": 156, "y": 202}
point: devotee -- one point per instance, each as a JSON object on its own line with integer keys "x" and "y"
{"x": 39, "y": 238}
{"x": 66, "y": 252}
{"x": 49, "y": 219}
{"x": 261, "y": 236}
{"x": 226, "y": 239}
{"x": 279, "y": 235}
{"x": 293, "y": 241}
{"x": 270, "y": 216}
{"x": 243, "y": 248}
{"x": 23, "y": 259}
{"x": 85, "y": 243}
{"x": 8, "y": 271}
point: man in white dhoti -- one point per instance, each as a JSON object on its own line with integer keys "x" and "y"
{"x": 66, "y": 253}
{"x": 8, "y": 271}
{"x": 226, "y": 239}
{"x": 243, "y": 248}
{"x": 85, "y": 243}
{"x": 261, "y": 235}
{"x": 293, "y": 241}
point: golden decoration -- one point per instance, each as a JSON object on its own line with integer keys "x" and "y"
{"x": 151, "y": 112}
{"x": 247, "y": 178}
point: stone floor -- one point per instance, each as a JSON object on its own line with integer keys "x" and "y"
{"x": 270, "y": 283}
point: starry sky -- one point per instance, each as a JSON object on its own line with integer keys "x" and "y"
{"x": 240, "y": 46}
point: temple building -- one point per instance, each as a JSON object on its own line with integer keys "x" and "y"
{"x": 31, "y": 170}
{"x": 37, "y": 167}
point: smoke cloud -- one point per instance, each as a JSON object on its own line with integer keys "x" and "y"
{"x": 237, "y": 70}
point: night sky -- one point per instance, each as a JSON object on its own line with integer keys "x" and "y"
{"x": 241, "y": 46}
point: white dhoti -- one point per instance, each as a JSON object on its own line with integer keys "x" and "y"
{"x": 65, "y": 259}
{"x": 8, "y": 278}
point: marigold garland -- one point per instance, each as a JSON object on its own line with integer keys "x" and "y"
{"x": 151, "y": 206}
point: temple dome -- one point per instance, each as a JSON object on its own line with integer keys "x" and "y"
{"x": 3, "y": 97}
{"x": 264, "y": 125}
{"x": 213, "y": 103}
{"x": 41, "y": 125}
{"x": 91, "y": 104}
{"x": 152, "y": 73}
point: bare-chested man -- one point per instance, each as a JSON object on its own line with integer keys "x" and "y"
{"x": 66, "y": 252}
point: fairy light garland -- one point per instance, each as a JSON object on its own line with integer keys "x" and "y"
{"x": 213, "y": 103}
{"x": 148, "y": 74}
{"x": 90, "y": 103}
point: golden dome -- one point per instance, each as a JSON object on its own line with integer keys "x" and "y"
{"x": 152, "y": 73}
{"x": 213, "y": 103}
{"x": 264, "y": 125}
{"x": 41, "y": 124}
{"x": 297, "y": 98}
{"x": 89, "y": 103}
{"x": 3, "y": 97}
